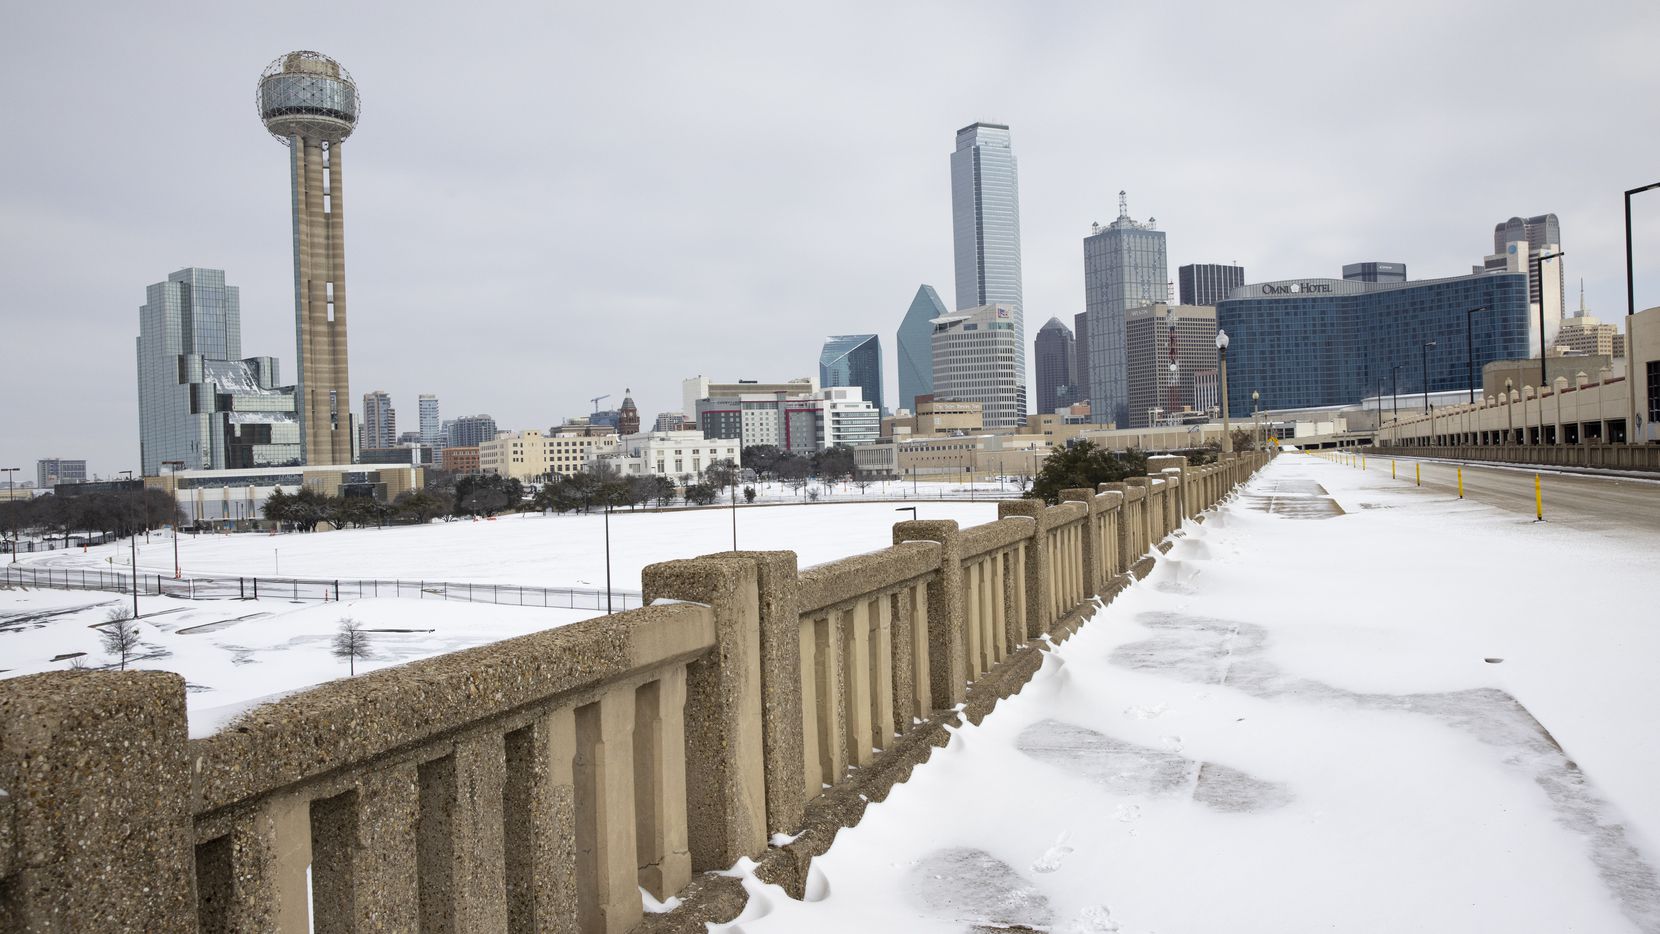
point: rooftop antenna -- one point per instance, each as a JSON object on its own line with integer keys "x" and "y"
{"x": 1123, "y": 204}
{"x": 1582, "y": 296}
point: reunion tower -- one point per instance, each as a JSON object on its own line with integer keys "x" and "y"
{"x": 309, "y": 103}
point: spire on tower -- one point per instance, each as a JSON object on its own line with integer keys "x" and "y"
{"x": 1123, "y": 204}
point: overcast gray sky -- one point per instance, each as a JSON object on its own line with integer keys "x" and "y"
{"x": 552, "y": 202}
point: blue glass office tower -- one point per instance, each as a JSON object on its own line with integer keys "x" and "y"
{"x": 985, "y": 220}
{"x": 1124, "y": 267}
{"x": 1311, "y": 342}
{"x": 916, "y": 360}
{"x": 853, "y": 360}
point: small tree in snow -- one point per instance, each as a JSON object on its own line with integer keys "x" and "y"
{"x": 119, "y": 638}
{"x": 749, "y": 494}
{"x": 351, "y": 643}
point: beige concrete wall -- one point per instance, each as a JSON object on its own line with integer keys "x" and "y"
{"x": 538, "y": 783}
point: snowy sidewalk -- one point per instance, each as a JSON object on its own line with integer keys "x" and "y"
{"x": 1345, "y": 704}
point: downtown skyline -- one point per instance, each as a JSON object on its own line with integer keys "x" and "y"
{"x": 533, "y": 219}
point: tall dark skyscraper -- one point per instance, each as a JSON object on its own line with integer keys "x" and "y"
{"x": 1374, "y": 272}
{"x": 1208, "y": 283}
{"x": 1055, "y": 356}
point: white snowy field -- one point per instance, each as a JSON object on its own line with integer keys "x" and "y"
{"x": 236, "y": 653}
{"x": 1420, "y": 715}
{"x": 529, "y": 549}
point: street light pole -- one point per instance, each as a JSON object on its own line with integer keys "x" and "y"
{"x": 1630, "y": 310}
{"x": 1395, "y": 393}
{"x": 1509, "y": 414}
{"x": 1256, "y": 418}
{"x": 132, "y": 543}
{"x": 1544, "y": 378}
{"x": 1470, "y": 352}
{"x": 11, "y": 494}
{"x": 607, "y": 557}
{"x": 174, "y": 519}
{"x": 1427, "y": 411}
{"x": 1222, "y": 360}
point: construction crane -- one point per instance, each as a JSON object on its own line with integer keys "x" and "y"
{"x": 598, "y": 399}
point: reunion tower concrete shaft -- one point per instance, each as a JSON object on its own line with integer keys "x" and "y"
{"x": 309, "y": 103}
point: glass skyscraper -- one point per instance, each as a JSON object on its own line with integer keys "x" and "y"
{"x": 853, "y": 360}
{"x": 985, "y": 215}
{"x": 1124, "y": 268}
{"x": 198, "y": 402}
{"x": 1053, "y": 353}
{"x": 1208, "y": 283}
{"x": 916, "y": 361}
{"x": 1312, "y": 342}
{"x": 431, "y": 431}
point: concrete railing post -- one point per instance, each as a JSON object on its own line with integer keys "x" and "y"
{"x": 781, "y": 688}
{"x": 1091, "y": 539}
{"x": 725, "y": 755}
{"x": 1127, "y": 554}
{"x": 96, "y": 774}
{"x": 1148, "y": 506}
{"x": 1039, "y": 586}
{"x": 947, "y": 643}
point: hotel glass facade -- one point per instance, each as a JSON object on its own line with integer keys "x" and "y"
{"x": 1313, "y": 342}
{"x": 197, "y": 401}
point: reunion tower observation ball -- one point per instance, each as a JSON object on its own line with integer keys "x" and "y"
{"x": 307, "y": 94}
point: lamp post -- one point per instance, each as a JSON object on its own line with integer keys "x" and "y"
{"x": 1543, "y": 378}
{"x": 1631, "y": 431}
{"x": 909, "y": 509}
{"x": 1427, "y": 410}
{"x": 132, "y": 543}
{"x": 11, "y": 492}
{"x": 1222, "y": 360}
{"x": 1377, "y": 435}
{"x": 174, "y": 519}
{"x": 1470, "y": 352}
{"x": 734, "y": 516}
{"x": 608, "y": 555}
{"x": 1509, "y": 414}
{"x": 1395, "y": 392}
{"x": 1256, "y": 418}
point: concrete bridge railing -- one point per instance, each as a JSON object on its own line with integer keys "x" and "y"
{"x": 537, "y": 784}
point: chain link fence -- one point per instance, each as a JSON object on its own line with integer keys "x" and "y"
{"x": 316, "y": 589}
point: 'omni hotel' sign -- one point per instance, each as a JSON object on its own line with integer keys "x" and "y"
{"x": 1296, "y": 288}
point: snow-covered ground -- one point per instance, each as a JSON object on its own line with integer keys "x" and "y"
{"x": 530, "y": 548}
{"x": 1419, "y": 715}
{"x": 236, "y": 653}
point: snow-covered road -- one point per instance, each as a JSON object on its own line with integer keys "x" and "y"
{"x": 1346, "y": 703}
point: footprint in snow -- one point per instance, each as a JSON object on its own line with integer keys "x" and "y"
{"x": 1052, "y": 857}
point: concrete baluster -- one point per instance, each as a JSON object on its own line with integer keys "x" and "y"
{"x": 947, "y": 651}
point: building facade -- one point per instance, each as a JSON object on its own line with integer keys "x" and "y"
{"x": 1370, "y": 272}
{"x": 977, "y": 357}
{"x": 670, "y": 454}
{"x": 1208, "y": 283}
{"x": 198, "y": 402}
{"x": 469, "y": 431}
{"x": 532, "y": 455}
{"x": 628, "y": 415}
{"x": 985, "y": 216}
{"x": 1583, "y": 334}
{"x": 800, "y": 423}
{"x": 702, "y": 387}
{"x": 432, "y": 428}
{"x": 915, "y": 343}
{"x": 1124, "y": 268}
{"x": 380, "y": 423}
{"x": 1055, "y": 355}
{"x": 853, "y": 360}
{"x": 309, "y": 103}
{"x": 459, "y": 458}
{"x": 1167, "y": 348}
{"x": 51, "y": 471}
{"x": 936, "y": 417}
{"x": 236, "y": 498}
{"x": 1315, "y": 342}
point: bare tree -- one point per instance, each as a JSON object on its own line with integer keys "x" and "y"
{"x": 351, "y": 643}
{"x": 120, "y": 639}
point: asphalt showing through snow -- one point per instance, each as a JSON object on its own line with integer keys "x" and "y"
{"x": 1621, "y": 505}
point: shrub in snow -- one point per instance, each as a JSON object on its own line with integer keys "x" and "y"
{"x": 120, "y": 639}
{"x": 351, "y": 643}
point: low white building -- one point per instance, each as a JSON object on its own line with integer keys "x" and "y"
{"x": 800, "y": 423}
{"x": 668, "y": 453}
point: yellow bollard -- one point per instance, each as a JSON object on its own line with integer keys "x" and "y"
{"x": 1391, "y": 468}
{"x": 1538, "y": 500}
{"x": 1418, "y": 474}
{"x": 1461, "y": 481}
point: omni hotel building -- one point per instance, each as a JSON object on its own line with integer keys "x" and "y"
{"x": 1315, "y": 342}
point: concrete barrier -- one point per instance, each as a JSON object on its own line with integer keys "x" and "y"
{"x": 537, "y": 784}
